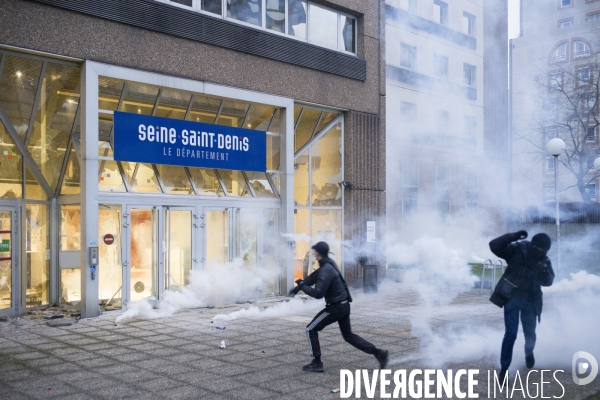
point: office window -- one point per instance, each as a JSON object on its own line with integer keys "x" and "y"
{"x": 565, "y": 23}
{"x": 591, "y": 134}
{"x": 249, "y": 11}
{"x": 590, "y": 189}
{"x": 583, "y": 75}
{"x": 410, "y": 187}
{"x": 468, "y": 23}
{"x": 275, "y": 15}
{"x": 441, "y": 120}
{"x": 469, "y": 74}
{"x": 442, "y": 189}
{"x": 565, "y": 3}
{"x": 560, "y": 53}
{"x": 412, "y": 6}
{"x": 187, "y": 3}
{"x": 550, "y": 164}
{"x": 556, "y": 80}
{"x": 470, "y": 128}
{"x": 549, "y": 133}
{"x": 297, "y": 15}
{"x": 590, "y": 158}
{"x": 471, "y": 188}
{"x": 580, "y": 49}
{"x": 440, "y": 66}
{"x": 408, "y": 112}
{"x": 593, "y": 17}
{"x": 408, "y": 56}
{"x": 322, "y": 26}
{"x": 348, "y": 27}
{"x": 212, "y": 6}
{"x": 440, "y": 12}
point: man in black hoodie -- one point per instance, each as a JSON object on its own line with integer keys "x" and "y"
{"x": 329, "y": 283}
{"x": 519, "y": 289}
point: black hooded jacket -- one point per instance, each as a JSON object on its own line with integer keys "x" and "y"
{"x": 328, "y": 283}
{"x": 524, "y": 271}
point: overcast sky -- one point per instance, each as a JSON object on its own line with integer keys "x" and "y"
{"x": 513, "y": 19}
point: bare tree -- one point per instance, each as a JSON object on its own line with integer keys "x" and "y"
{"x": 570, "y": 95}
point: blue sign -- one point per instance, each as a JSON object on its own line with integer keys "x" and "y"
{"x": 156, "y": 140}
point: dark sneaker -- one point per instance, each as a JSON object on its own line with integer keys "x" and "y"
{"x": 503, "y": 372}
{"x": 314, "y": 367}
{"x": 530, "y": 361}
{"x": 382, "y": 357}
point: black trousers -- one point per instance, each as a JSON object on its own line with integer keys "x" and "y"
{"x": 339, "y": 313}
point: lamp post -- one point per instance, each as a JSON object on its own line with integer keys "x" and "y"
{"x": 555, "y": 147}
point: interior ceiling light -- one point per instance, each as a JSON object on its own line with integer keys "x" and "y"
{"x": 19, "y": 74}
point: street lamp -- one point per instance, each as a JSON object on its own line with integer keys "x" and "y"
{"x": 555, "y": 147}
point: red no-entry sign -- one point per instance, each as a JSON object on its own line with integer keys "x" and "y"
{"x": 109, "y": 239}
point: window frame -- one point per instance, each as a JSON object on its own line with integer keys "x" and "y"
{"x": 473, "y": 74}
{"x": 584, "y": 55}
{"x": 196, "y": 7}
{"x": 444, "y": 12}
{"x": 560, "y": 23}
{"x": 555, "y": 60}
{"x": 595, "y": 14}
{"x": 437, "y": 56}
{"x": 587, "y": 134}
{"x": 592, "y": 184}
{"x": 471, "y": 23}
{"x": 412, "y": 54}
{"x": 560, "y": 5}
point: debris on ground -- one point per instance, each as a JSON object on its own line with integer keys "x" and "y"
{"x": 220, "y": 327}
{"x": 335, "y": 390}
{"x": 3, "y": 319}
{"x": 222, "y": 344}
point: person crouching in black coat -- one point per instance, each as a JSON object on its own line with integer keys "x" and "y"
{"x": 329, "y": 283}
{"x": 519, "y": 289}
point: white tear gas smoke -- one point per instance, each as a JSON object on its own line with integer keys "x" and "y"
{"x": 295, "y": 306}
{"x": 218, "y": 284}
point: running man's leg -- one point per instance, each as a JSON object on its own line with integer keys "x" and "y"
{"x": 529, "y": 321}
{"x": 321, "y": 320}
{"x": 511, "y": 325}
{"x": 350, "y": 337}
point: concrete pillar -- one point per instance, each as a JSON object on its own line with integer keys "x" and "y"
{"x": 287, "y": 197}
{"x": 89, "y": 189}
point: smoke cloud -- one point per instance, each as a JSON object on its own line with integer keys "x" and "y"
{"x": 218, "y": 284}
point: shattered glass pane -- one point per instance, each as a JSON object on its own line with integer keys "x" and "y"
{"x": 54, "y": 119}
{"x": 110, "y": 179}
{"x": 326, "y": 163}
{"x": 206, "y": 181}
{"x": 260, "y": 184}
{"x": 18, "y": 86}
{"x": 71, "y": 180}
{"x": 235, "y": 183}
{"x": 141, "y": 177}
{"x": 175, "y": 179}
{"x": 11, "y": 167}
{"x": 33, "y": 190}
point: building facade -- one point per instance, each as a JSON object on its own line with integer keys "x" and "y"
{"x": 447, "y": 107}
{"x": 554, "y": 79}
{"x": 93, "y": 215}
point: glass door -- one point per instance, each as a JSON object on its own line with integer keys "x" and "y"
{"x": 7, "y": 264}
{"x": 142, "y": 256}
{"x": 217, "y": 246}
{"x": 159, "y": 250}
{"x": 178, "y": 239}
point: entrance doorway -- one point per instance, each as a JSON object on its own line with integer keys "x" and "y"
{"x": 7, "y": 261}
{"x": 159, "y": 250}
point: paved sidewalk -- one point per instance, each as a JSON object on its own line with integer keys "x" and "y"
{"x": 179, "y": 357}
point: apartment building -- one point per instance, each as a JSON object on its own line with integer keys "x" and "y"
{"x": 447, "y": 106}
{"x": 554, "y": 73}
